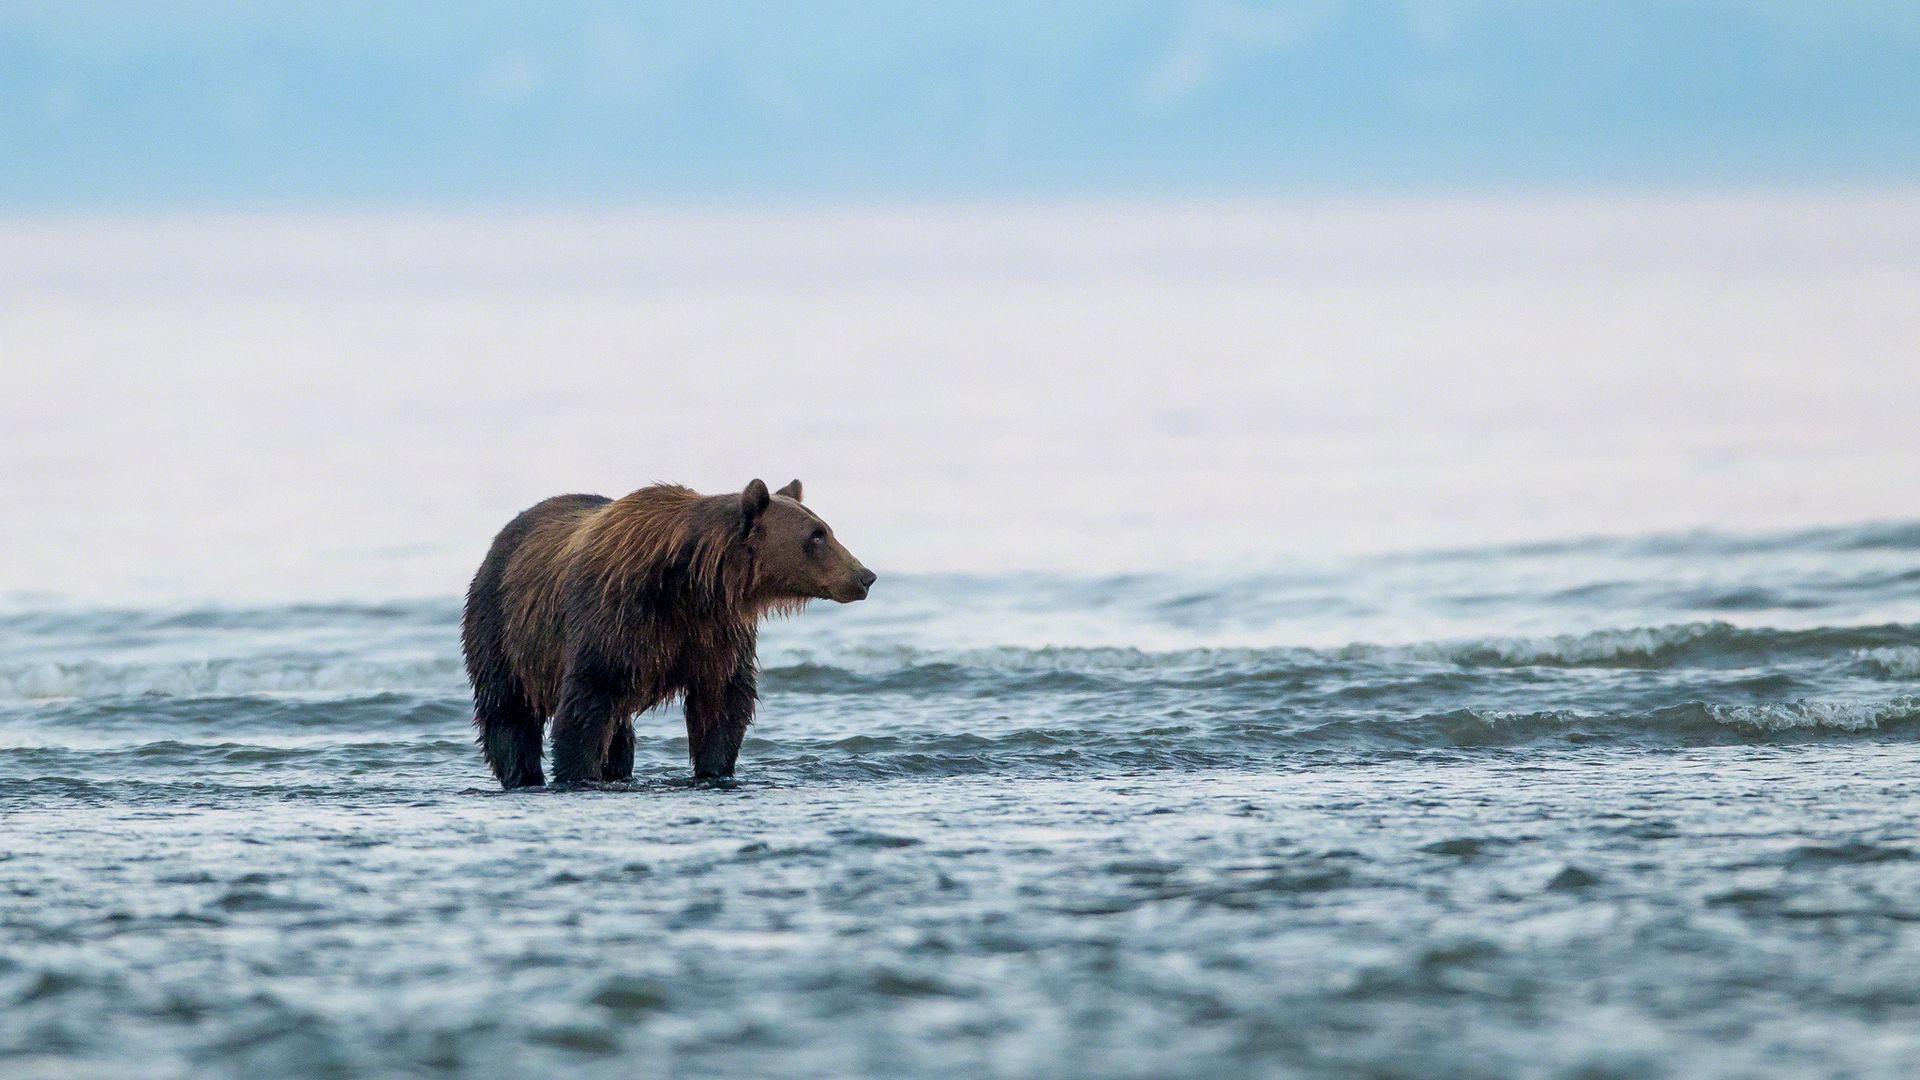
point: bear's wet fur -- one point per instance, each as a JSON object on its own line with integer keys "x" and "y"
{"x": 590, "y": 610}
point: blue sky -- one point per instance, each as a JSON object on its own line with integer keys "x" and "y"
{"x": 198, "y": 103}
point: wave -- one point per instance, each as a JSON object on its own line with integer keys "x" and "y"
{"x": 1874, "y": 536}
{"x": 1285, "y": 742}
{"x": 217, "y": 678}
{"x": 1883, "y": 648}
{"x": 1701, "y": 644}
{"x": 1886, "y": 651}
{"x": 432, "y": 611}
{"x": 1897, "y": 661}
{"x": 794, "y": 759}
{"x": 256, "y": 718}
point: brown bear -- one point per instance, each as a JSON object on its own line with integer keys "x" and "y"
{"x": 589, "y": 610}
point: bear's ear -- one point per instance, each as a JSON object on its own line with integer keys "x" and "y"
{"x": 752, "y": 501}
{"x": 791, "y": 491}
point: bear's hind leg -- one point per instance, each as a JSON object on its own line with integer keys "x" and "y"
{"x": 509, "y": 736}
{"x": 583, "y": 726}
{"x": 619, "y": 764}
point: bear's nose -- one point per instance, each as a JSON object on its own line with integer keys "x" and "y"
{"x": 867, "y": 578}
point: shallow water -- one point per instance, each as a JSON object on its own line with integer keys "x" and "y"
{"x": 1599, "y": 808}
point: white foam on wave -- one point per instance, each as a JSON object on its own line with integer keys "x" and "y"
{"x": 16, "y": 738}
{"x": 1621, "y": 647}
{"x": 50, "y": 680}
{"x": 1811, "y": 715}
{"x": 1597, "y": 647}
{"x": 1897, "y": 661}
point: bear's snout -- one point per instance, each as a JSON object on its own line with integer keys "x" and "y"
{"x": 863, "y": 580}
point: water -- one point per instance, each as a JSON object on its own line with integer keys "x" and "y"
{"x": 1634, "y": 807}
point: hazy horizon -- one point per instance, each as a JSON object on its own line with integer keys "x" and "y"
{"x": 322, "y": 406}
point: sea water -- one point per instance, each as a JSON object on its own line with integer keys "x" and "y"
{"x": 1410, "y": 650}
{"x": 1103, "y": 825}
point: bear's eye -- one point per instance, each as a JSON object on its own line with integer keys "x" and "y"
{"x": 817, "y": 540}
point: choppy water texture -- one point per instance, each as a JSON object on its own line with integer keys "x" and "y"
{"x": 1609, "y": 808}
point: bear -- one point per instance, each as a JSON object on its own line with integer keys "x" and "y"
{"x": 588, "y": 610}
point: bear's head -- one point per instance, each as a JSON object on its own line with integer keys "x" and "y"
{"x": 796, "y": 557}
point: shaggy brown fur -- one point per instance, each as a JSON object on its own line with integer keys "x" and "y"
{"x": 588, "y": 611}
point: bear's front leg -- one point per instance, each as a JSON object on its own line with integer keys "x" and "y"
{"x": 718, "y": 713}
{"x": 585, "y": 723}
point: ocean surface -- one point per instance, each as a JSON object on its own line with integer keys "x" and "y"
{"x": 1605, "y": 808}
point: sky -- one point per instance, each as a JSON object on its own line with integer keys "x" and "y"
{"x": 203, "y": 104}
